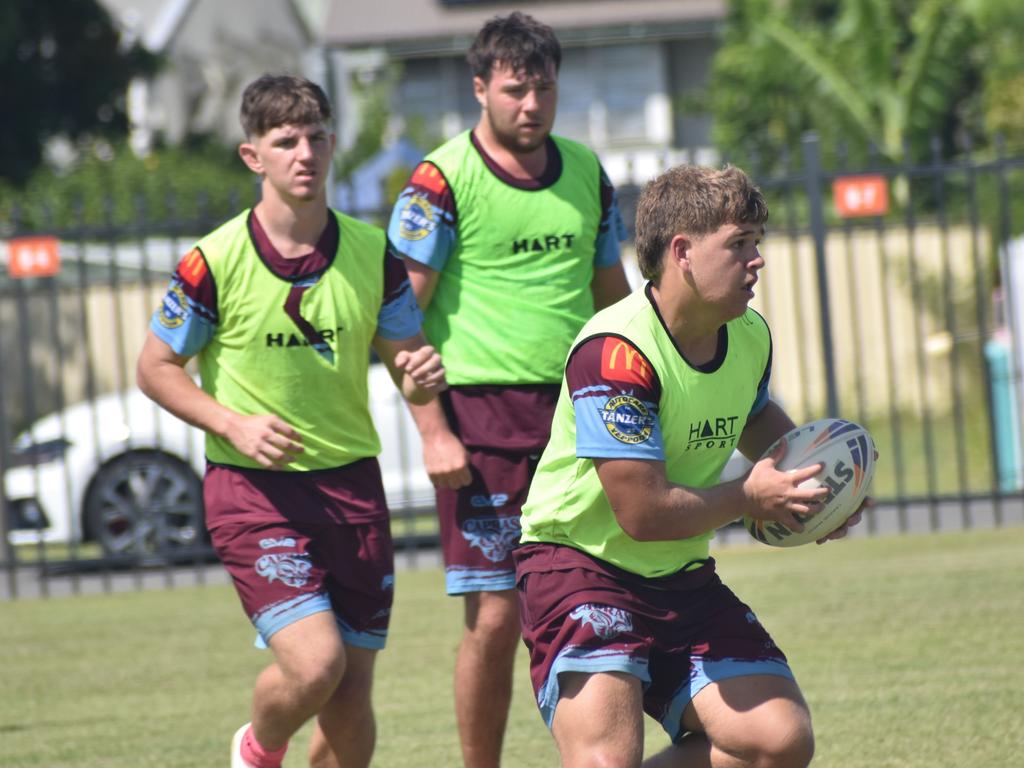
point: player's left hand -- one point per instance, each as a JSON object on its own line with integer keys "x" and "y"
{"x": 423, "y": 365}
{"x": 851, "y": 521}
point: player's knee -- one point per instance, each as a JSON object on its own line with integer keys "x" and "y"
{"x": 356, "y": 685}
{"x": 604, "y": 755}
{"x": 319, "y": 678}
{"x": 790, "y": 745}
{"x": 495, "y": 619}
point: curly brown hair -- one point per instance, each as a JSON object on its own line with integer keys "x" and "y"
{"x": 517, "y": 41}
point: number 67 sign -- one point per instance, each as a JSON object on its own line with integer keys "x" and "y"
{"x": 37, "y": 256}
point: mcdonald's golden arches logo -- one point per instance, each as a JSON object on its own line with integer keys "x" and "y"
{"x": 621, "y": 361}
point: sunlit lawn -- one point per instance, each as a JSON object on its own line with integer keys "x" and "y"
{"x": 907, "y": 648}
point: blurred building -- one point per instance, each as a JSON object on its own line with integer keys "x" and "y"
{"x": 627, "y": 72}
{"x": 210, "y": 49}
{"x": 628, "y": 77}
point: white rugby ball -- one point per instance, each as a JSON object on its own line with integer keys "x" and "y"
{"x": 847, "y": 454}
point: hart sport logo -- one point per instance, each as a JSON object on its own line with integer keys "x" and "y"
{"x": 715, "y": 432}
{"x": 543, "y": 244}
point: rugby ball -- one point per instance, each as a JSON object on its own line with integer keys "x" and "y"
{"x": 847, "y": 454}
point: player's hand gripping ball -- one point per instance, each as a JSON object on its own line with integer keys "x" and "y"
{"x": 847, "y": 454}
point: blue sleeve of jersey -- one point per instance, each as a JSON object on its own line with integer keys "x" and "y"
{"x": 185, "y": 325}
{"x": 400, "y": 317}
{"x": 615, "y": 425}
{"x": 759, "y": 402}
{"x": 762, "y": 397}
{"x": 423, "y": 225}
{"x": 616, "y": 409}
{"x": 606, "y": 251}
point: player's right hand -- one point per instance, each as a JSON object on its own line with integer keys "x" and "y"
{"x": 776, "y": 495}
{"x": 446, "y": 460}
{"x": 265, "y": 438}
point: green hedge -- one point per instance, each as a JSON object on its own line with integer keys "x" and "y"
{"x": 109, "y": 187}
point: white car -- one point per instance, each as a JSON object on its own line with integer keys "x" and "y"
{"x": 123, "y": 472}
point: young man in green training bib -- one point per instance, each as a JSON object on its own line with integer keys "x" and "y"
{"x": 622, "y": 611}
{"x": 282, "y": 305}
{"x": 511, "y": 236}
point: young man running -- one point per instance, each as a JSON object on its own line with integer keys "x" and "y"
{"x": 281, "y": 305}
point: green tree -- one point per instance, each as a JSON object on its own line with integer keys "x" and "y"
{"x": 891, "y": 74}
{"x": 374, "y": 99}
{"x": 65, "y": 70}
{"x": 1001, "y": 25}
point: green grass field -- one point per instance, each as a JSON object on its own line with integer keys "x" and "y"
{"x": 908, "y": 649}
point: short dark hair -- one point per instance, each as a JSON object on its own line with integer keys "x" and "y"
{"x": 692, "y": 200}
{"x": 271, "y": 101}
{"x": 517, "y": 41}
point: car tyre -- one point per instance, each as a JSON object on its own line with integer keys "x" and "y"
{"x": 145, "y": 503}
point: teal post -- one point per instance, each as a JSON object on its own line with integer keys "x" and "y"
{"x": 1005, "y": 420}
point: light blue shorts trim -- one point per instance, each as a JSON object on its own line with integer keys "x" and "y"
{"x": 576, "y": 659}
{"x": 373, "y": 640}
{"x": 459, "y": 581}
{"x": 277, "y": 617}
{"x": 707, "y": 672}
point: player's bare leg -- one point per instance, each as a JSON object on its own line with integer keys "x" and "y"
{"x": 346, "y": 731}
{"x": 743, "y": 722}
{"x": 599, "y": 720}
{"x": 309, "y": 664}
{"x": 483, "y": 675}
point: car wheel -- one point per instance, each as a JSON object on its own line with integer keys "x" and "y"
{"x": 144, "y": 503}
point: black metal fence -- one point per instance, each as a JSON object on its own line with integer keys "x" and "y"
{"x": 906, "y": 316}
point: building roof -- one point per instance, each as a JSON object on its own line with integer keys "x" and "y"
{"x": 433, "y": 27}
{"x": 157, "y": 23}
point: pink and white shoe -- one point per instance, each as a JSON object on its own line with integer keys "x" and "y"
{"x": 236, "y": 748}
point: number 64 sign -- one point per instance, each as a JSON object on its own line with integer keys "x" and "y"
{"x": 37, "y": 256}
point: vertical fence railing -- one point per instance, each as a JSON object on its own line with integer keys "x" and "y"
{"x": 6, "y": 511}
{"x": 816, "y": 206}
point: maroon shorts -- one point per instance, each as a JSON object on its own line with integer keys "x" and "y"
{"x": 504, "y": 430}
{"x": 676, "y": 634}
{"x": 479, "y": 522}
{"x": 284, "y": 539}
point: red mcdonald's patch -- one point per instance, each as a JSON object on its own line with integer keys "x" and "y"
{"x": 427, "y": 176}
{"x": 621, "y": 361}
{"x": 192, "y": 267}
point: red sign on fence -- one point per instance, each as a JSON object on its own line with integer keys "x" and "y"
{"x": 860, "y": 196}
{"x": 33, "y": 256}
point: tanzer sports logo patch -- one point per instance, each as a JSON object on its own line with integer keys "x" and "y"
{"x": 627, "y": 419}
{"x": 174, "y": 308}
{"x": 416, "y": 220}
